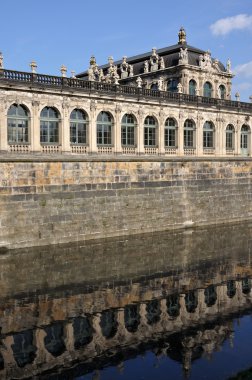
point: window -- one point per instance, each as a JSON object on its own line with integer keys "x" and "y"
{"x": 49, "y": 125}
{"x": 222, "y": 92}
{"x": 189, "y": 134}
{"x": 170, "y": 132}
{"x": 230, "y": 137}
{"x": 128, "y": 130}
{"x": 172, "y": 85}
{"x": 150, "y": 131}
{"x": 154, "y": 86}
{"x": 207, "y": 90}
{"x": 78, "y": 127}
{"x": 192, "y": 87}
{"x": 208, "y": 135}
{"x": 104, "y": 128}
{"x": 17, "y": 124}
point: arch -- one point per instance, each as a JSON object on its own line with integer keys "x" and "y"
{"x": 189, "y": 133}
{"x": 208, "y": 134}
{"x": 18, "y": 117}
{"x": 54, "y": 339}
{"x": 78, "y": 127}
{"x": 210, "y": 295}
{"x": 150, "y": 131}
{"x": 172, "y": 85}
{"x": 246, "y": 285}
{"x": 207, "y": 90}
{"x": 154, "y": 86}
{"x": 128, "y": 130}
{"x": 132, "y": 317}
{"x": 230, "y": 136}
{"x": 23, "y": 348}
{"x": 104, "y": 125}
{"x": 222, "y": 91}
{"x": 49, "y": 125}
{"x": 170, "y": 132}
{"x": 191, "y": 301}
{"x": 231, "y": 288}
{"x": 83, "y": 332}
{"x": 108, "y": 323}
{"x": 173, "y": 305}
{"x": 153, "y": 312}
{"x": 192, "y": 87}
{"x": 245, "y": 140}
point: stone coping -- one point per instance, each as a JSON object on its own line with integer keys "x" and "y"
{"x": 5, "y": 157}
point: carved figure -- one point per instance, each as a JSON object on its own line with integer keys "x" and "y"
{"x": 160, "y": 84}
{"x": 146, "y": 66}
{"x": 131, "y": 72}
{"x": 161, "y": 63}
{"x": 228, "y": 66}
{"x": 139, "y": 82}
{"x": 183, "y": 56}
{"x": 1, "y": 60}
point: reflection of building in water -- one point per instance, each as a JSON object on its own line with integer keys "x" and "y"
{"x": 176, "y": 313}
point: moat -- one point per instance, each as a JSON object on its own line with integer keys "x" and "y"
{"x": 174, "y": 305}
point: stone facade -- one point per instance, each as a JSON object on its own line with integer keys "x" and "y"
{"x": 54, "y": 200}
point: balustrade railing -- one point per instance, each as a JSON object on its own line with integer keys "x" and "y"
{"x": 55, "y": 81}
{"x": 79, "y": 149}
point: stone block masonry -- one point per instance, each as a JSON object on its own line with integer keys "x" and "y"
{"x": 59, "y": 199}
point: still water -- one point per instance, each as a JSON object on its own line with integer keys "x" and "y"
{"x": 154, "y": 306}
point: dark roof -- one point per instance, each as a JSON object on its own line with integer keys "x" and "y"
{"x": 170, "y": 55}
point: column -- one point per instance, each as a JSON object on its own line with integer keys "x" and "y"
{"x": 35, "y": 128}
{"x": 180, "y": 135}
{"x": 140, "y": 131}
{"x": 117, "y": 130}
{"x": 161, "y": 147}
{"x": 92, "y": 128}
{"x": 3, "y": 128}
{"x": 65, "y": 129}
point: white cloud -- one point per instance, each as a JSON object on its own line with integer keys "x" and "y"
{"x": 226, "y": 25}
{"x": 244, "y": 70}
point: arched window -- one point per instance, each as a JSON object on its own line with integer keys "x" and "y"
{"x": 222, "y": 92}
{"x": 150, "y": 126}
{"x": 78, "y": 127}
{"x": 207, "y": 90}
{"x": 208, "y": 135}
{"x": 246, "y": 286}
{"x": 172, "y": 85}
{"x": 192, "y": 87}
{"x": 244, "y": 142}
{"x": 189, "y": 134}
{"x": 104, "y": 128}
{"x": 128, "y": 130}
{"x": 108, "y": 323}
{"x": 153, "y": 312}
{"x": 230, "y": 136}
{"x": 231, "y": 288}
{"x": 17, "y": 121}
{"x": 173, "y": 305}
{"x": 170, "y": 132}
{"x": 210, "y": 295}
{"x": 191, "y": 301}
{"x": 49, "y": 125}
{"x": 154, "y": 87}
{"x": 131, "y": 317}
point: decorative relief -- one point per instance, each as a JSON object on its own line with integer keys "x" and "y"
{"x": 155, "y": 62}
{"x": 205, "y": 61}
{"x": 93, "y": 105}
{"x": 183, "y": 56}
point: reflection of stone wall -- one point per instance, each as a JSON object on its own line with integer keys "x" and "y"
{"x": 54, "y": 201}
{"x": 77, "y": 334}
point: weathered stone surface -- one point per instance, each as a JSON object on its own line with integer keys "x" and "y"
{"x": 69, "y": 201}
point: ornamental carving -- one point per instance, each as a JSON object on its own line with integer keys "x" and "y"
{"x": 183, "y": 56}
{"x": 126, "y": 69}
{"x": 155, "y": 62}
{"x": 205, "y": 61}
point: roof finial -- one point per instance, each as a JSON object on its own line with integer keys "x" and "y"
{"x": 182, "y": 36}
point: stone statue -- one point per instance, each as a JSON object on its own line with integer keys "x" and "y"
{"x": 160, "y": 84}
{"x": 139, "y": 82}
{"x": 161, "y": 63}
{"x": 228, "y": 68}
{"x": 183, "y": 56}
{"x": 63, "y": 70}
{"x": 1, "y": 60}
{"x": 33, "y": 66}
{"x": 179, "y": 87}
{"x": 124, "y": 67}
{"x": 154, "y": 60}
{"x": 131, "y": 72}
{"x": 91, "y": 75}
{"x": 146, "y": 66}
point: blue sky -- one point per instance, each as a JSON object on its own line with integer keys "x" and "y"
{"x": 56, "y": 32}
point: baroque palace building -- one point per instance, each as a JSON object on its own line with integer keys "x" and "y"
{"x": 174, "y": 101}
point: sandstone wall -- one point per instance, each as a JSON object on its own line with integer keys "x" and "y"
{"x": 64, "y": 199}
